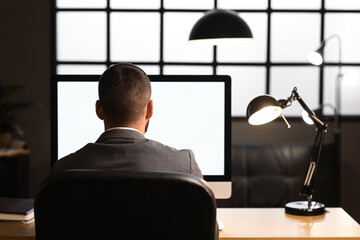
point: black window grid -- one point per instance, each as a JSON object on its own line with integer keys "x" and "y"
{"x": 268, "y": 64}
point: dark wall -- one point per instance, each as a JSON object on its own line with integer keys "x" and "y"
{"x": 25, "y": 59}
{"x": 350, "y": 168}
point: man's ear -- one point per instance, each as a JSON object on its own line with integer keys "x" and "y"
{"x": 149, "y": 109}
{"x": 99, "y": 110}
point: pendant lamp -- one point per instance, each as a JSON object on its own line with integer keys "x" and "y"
{"x": 218, "y": 26}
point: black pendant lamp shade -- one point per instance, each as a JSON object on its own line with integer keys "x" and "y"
{"x": 220, "y": 24}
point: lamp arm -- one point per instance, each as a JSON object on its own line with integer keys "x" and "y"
{"x": 318, "y": 122}
{"x": 338, "y": 79}
{"x": 307, "y": 188}
{"x": 339, "y": 43}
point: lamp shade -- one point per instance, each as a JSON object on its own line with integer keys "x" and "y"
{"x": 220, "y": 25}
{"x": 263, "y": 109}
{"x": 317, "y": 57}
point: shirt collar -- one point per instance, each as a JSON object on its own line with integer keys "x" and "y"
{"x": 124, "y": 128}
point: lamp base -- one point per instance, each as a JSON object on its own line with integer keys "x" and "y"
{"x": 302, "y": 208}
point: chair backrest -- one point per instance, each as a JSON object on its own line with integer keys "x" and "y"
{"x": 272, "y": 174}
{"x": 109, "y": 204}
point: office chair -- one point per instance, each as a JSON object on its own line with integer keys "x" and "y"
{"x": 110, "y": 204}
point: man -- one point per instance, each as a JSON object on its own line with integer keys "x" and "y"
{"x": 125, "y": 107}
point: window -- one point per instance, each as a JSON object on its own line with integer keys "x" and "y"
{"x": 90, "y": 35}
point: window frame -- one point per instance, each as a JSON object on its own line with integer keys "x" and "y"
{"x": 268, "y": 64}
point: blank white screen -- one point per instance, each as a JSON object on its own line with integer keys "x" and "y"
{"x": 187, "y": 115}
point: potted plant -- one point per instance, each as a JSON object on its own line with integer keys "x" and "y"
{"x": 7, "y": 108}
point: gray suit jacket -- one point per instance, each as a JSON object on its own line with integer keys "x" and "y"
{"x": 129, "y": 150}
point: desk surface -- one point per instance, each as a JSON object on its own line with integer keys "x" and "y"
{"x": 251, "y": 223}
{"x": 273, "y": 223}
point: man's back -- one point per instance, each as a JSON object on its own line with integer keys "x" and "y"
{"x": 129, "y": 150}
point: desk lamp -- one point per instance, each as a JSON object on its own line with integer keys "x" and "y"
{"x": 264, "y": 109}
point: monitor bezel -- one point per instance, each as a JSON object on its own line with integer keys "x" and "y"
{"x": 153, "y": 78}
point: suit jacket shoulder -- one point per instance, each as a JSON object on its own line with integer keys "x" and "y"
{"x": 130, "y": 150}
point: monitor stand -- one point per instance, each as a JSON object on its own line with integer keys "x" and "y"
{"x": 222, "y": 190}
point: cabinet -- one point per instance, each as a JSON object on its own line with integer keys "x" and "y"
{"x": 14, "y": 173}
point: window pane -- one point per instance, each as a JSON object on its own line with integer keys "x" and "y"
{"x": 246, "y": 84}
{"x": 81, "y": 36}
{"x": 177, "y": 27}
{"x": 342, "y": 4}
{"x": 207, "y": 70}
{"x": 243, "y": 4}
{"x": 296, "y": 4}
{"x": 306, "y": 79}
{"x": 346, "y": 26}
{"x": 294, "y": 35}
{"x": 189, "y": 4}
{"x": 150, "y": 69}
{"x": 135, "y": 36}
{"x": 350, "y": 89}
{"x": 140, "y": 4}
{"x": 81, "y": 3}
{"x": 252, "y": 51}
{"x": 80, "y": 69}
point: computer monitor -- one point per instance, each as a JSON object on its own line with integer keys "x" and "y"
{"x": 190, "y": 112}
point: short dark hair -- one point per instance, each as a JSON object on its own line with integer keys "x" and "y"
{"x": 124, "y": 91}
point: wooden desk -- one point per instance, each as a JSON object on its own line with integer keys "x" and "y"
{"x": 273, "y": 223}
{"x": 250, "y": 223}
{"x": 17, "y": 231}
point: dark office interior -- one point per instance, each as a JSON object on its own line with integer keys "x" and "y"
{"x": 26, "y": 58}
